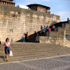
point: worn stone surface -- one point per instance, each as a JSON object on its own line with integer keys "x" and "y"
{"x": 57, "y": 63}
{"x": 25, "y": 51}
{"x": 44, "y": 39}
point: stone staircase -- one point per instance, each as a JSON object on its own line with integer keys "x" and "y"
{"x": 28, "y": 51}
{"x": 58, "y": 37}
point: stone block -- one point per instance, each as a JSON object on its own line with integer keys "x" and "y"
{"x": 44, "y": 39}
{"x": 54, "y": 35}
{"x": 61, "y": 33}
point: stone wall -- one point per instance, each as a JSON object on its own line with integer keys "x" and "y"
{"x": 14, "y": 22}
{"x": 67, "y": 35}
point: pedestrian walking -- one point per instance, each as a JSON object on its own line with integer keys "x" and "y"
{"x": 23, "y": 38}
{"x": 7, "y": 48}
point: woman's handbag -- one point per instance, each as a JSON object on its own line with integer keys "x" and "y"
{"x": 11, "y": 53}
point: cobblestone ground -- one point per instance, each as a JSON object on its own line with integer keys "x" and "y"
{"x": 58, "y": 63}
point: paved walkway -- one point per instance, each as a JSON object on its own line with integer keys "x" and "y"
{"x": 57, "y": 63}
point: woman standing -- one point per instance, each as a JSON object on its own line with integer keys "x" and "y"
{"x": 7, "y": 48}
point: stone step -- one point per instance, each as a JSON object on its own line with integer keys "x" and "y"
{"x": 34, "y": 50}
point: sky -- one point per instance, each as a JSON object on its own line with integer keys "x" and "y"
{"x": 58, "y": 7}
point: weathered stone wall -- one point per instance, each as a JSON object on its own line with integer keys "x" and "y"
{"x": 67, "y": 35}
{"x": 62, "y": 37}
{"x": 14, "y": 22}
